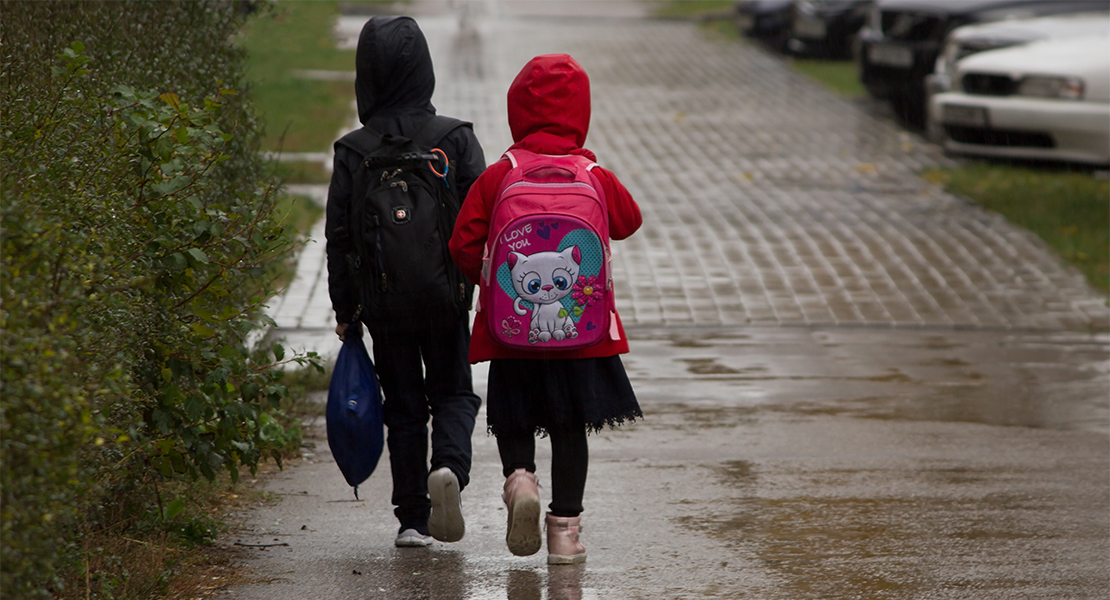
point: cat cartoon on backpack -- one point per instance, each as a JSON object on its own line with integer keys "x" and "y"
{"x": 544, "y": 279}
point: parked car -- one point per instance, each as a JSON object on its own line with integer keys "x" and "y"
{"x": 969, "y": 39}
{"x": 1045, "y": 100}
{"x": 902, "y": 39}
{"x": 765, "y": 20}
{"x": 826, "y": 28}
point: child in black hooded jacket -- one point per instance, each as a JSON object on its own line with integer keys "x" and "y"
{"x": 422, "y": 365}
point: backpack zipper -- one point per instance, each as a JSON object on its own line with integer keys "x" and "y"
{"x": 386, "y": 174}
{"x": 538, "y": 184}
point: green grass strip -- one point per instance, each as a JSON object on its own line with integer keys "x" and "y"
{"x": 1068, "y": 210}
{"x": 837, "y": 75}
{"x": 692, "y": 8}
{"x": 301, "y": 115}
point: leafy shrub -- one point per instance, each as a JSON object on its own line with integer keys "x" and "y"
{"x": 138, "y": 245}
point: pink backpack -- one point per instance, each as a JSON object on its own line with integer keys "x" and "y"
{"x": 546, "y": 269}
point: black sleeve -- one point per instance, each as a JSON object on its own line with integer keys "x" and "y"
{"x": 469, "y": 158}
{"x": 341, "y": 286}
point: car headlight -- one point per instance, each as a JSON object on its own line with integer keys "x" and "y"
{"x": 1067, "y": 88}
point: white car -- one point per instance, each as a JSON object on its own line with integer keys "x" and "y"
{"x": 1045, "y": 100}
{"x": 969, "y": 39}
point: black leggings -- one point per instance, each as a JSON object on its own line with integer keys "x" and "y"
{"x": 569, "y": 462}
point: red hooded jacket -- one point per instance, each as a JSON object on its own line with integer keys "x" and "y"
{"x": 549, "y": 113}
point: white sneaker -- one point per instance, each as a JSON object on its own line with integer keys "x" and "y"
{"x": 411, "y": 538}
{"x": 446, "y": 521}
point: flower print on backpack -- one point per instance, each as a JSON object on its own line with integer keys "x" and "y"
{"x": 587, "y": 291}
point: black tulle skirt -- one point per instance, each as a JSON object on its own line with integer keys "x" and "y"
{"x": 536, "y": 396}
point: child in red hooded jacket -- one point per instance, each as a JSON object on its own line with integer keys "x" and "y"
{"x": 561, "y": 393}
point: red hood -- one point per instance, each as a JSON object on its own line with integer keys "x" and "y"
{"x": 549, "y": 106}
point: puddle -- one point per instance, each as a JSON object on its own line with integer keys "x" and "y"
{"x": 740, "y": 470}
{"x": 989, "y": 377}
{"x": 895, "y": 376}
{"x": 936, "y": 342}
{"x": 947, "y": 362}
{"x": 878, "y": 548}
{"x": 707, "y": 366}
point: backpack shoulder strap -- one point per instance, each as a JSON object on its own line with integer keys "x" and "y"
{"x": 512, "y": 158}
{"x": 525, "y": 158}
{"x": 432, "y": 132}
{"x": 365, "y": 140}
{"x": 362, "y": 140}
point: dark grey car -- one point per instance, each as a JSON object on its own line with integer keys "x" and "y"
{"x": 826, "y": 28}
{"x": 765, "y": 20}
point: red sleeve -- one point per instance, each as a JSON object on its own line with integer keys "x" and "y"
{"x": 472, "y": 225}
{"x": 624, "y": 213}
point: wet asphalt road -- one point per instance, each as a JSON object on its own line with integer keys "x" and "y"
{"x": 854, "y": 385}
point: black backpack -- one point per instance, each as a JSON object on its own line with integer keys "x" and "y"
{"x": 403, "y": 209}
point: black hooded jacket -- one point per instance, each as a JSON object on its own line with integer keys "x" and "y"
{"x": 393, "y": 85}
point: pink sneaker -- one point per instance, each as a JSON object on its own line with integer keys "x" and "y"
{"x": 522, "y": 498}
{"x": 563, "y": 547}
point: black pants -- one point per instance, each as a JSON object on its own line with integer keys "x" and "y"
{"x": 424, "y": 373}
{"x": 570, "y": 459}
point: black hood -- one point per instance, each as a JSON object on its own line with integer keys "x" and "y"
{"x": 394, "y": 69}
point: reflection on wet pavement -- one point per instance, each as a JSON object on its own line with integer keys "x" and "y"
{"x": 891, "y": 473}
{"x": 911, "y": 547}
{"x": 417, "y": 574}
{"x": 524, "y": 585}
{"x": 990, "y": 377}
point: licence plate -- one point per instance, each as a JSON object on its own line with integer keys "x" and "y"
{"x": 808, "y": 27}
{"x": 895, "y": 56}
{"x": 959, "y": 114}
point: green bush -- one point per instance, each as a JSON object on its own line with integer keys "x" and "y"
{"x": 138, "y": 245}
